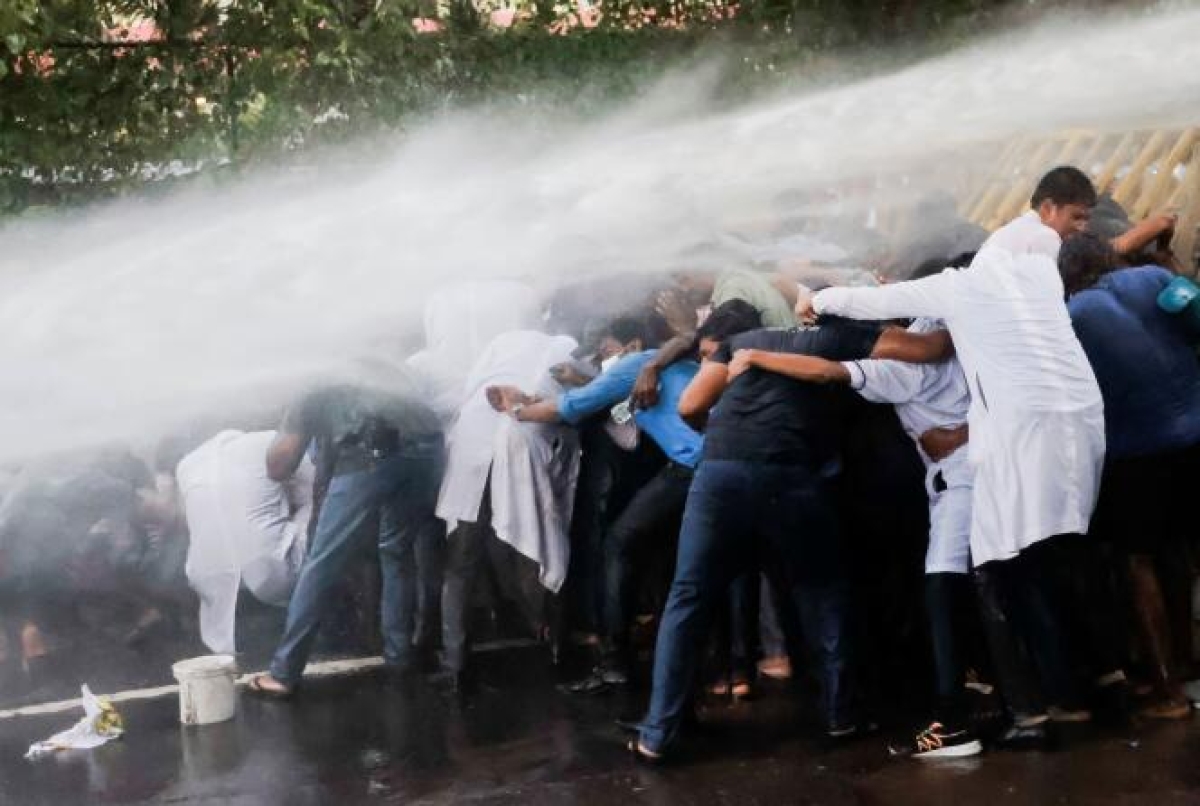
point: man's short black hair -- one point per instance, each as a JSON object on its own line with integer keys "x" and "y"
{"x": 646, "y": 326}
{"x": 627, "y": 328}
{"x": 1065, "y": 184}
{"x": 1083, "y": 258}
{"x": 729, "y": 319}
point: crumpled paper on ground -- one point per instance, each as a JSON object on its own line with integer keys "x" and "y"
{"x": 102, "y": 724}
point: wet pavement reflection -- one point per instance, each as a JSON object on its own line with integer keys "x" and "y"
{"x": 521, "y": 741}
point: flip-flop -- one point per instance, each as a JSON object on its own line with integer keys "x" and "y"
{"x": 255, "y": 688}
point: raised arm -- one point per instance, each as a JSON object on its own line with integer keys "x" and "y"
{"x": 1144, "y": 233}
{"x": 787, "y": 287}
{"x": 645, "y": 389}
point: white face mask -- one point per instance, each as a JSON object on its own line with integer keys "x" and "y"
{"x": 607, "y": 363}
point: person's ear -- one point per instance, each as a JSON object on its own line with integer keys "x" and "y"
{"x": 635, "y": 346}
{"x": 1046, "y": 209}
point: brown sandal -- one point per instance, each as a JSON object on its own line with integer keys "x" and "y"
{"x": 255, "y": 688}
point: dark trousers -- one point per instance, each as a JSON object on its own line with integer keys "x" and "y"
{"x": 609, "y": 477}
{"x": 948, "y": 601}
{"x": 649, "y": 521}
{"x": 1040, "y": 616}
{"x": 473, "y": 548}
{"x": 736, "y": 511}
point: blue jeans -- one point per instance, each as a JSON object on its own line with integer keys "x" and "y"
{"x": 402, "y": 492}
{"x": 737, "y": 511}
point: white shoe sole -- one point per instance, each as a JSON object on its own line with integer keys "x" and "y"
{"x": 972, "y": 748}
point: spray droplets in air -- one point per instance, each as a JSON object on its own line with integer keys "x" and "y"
{"x": 137, "y": 314}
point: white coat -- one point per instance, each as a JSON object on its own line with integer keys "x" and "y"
{"x": 1036, "y": 417}
{"x": 245, "y": 530}
{"x": 533, "y": 467}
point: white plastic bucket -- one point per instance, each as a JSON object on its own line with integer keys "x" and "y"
{"x": 206, "y": 689}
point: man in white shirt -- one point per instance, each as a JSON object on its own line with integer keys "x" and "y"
{"x": 1036, "y": 417}
{"x": 246, "y": 530}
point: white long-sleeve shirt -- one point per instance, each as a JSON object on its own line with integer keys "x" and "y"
{"x": 1036, "y": 416}
{"x": 925, "y": 396}
{"x": 929, "y": 396}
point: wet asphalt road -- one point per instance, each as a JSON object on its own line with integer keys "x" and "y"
{"x": 359, "y": 740}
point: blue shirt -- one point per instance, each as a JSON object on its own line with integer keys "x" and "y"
{"x": 1144, "y": 360}
{"x": 661, "y": 422}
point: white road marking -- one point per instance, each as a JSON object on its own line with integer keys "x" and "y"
{"x": 325, "y": 668}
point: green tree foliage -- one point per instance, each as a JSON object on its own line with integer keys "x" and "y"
{"x": 89, "y": 107}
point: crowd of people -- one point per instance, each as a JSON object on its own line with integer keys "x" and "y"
{"x": 736, "y": 470}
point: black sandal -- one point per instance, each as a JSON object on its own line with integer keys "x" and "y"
{"x": 255, "y": 688}
{"x": 592, "y": 684}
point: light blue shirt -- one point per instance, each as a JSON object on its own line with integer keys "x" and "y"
{"x": 662, "y": 423}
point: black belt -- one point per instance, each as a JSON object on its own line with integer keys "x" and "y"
{"x": 357, "y": 458}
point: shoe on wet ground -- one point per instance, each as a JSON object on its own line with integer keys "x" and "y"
{"x": 601, "y": 678}
{"x": 940, "y": 741}
{"x": 838, "y": 734}
{"x": 1026, "y": 737}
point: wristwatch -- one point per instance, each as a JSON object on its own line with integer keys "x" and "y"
{"x": 515, "y": 411}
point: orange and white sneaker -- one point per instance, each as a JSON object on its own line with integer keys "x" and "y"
{"x": 938, "y": 741}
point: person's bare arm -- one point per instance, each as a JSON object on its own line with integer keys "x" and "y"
{"x": 1144, "y": 233}
{"x": 787, "y": 287}
{"x": 704, "y": 391}
{"x": 801, "y": 367}
{"x": 525, "y": 408}
{"x": 568, "y": 375}
{"x": 645, "y": 389}
{"x": 938, "y": 443}
{"x": 285, "y": 454}
{"x": 915, "y": 348}
{"x": 541, "y": 411}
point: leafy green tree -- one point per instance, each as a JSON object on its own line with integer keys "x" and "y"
{"x": 90, "y": 106}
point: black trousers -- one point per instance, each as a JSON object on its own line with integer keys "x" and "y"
{"x": 949, "y": 604}
{"x": 1043, "y": 614}
{"x": 649, "y": 521}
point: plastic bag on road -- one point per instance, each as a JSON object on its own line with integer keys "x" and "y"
{"x": 101, "y": 724}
